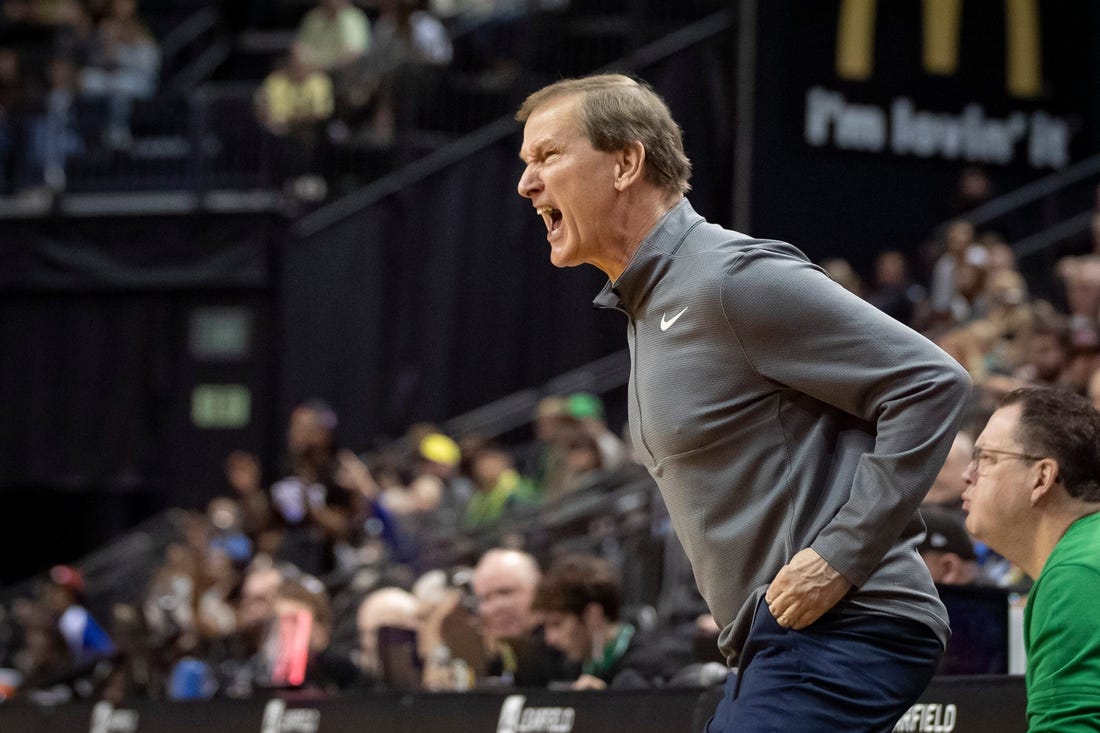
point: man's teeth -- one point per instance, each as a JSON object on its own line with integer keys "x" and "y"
{"x": 548, "y": 214}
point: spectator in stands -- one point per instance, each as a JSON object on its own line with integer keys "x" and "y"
{"x": 227, "y": 533}
{"x": 894, "y": 293}
{"x": 63, "y": 596}
{"x": 52, "y": 133}
{"x": 186, "y": 612}
{"x": 240, "y": 666}
{"x": 1005, "y": 292}
{"x": 1046, "y": 355}
{"x": 246, "y": 659}
{"x": 293, "y": 104}
{"x": 579, "y": 599}
{"x": 499, "y": 490}
{"x": 434, "y": 497}
{"x": 215, "y": 614}
{"x": 1083, "y": 359}
{"x": 764, "y": 408}
{"x": 430, "y": 591}
{"x": 332, "y": 35}
{"x": 588, "y": 409}
{"x": 411, "y": 32}
{"x": 1033, "y": 495}
{"x": 122, "y": 66}
{"x": 386, "y": 608}
{"x": 42, "y": 659}
{"x": 1081, "y": 279}
{"x": 312, "y": 508}
{"x": 510, "y": 648}
{"x": 949, "y": 485}
{"x": 387, "y": 88}
{"x": 538, "y": 457}
{"x": 452, "y": 643}
{"x": 504, "y": 584}
{"x": 971, "y": 273}
{"x": 973, "y": 188}
{"x": 1001, "y": 254}
{"x": 842, "y": 273}
{"x": 49, "y": 13}
{"x": 578, "y": 461}
{"x": 14, "y": 104}
{"x": 62, "y": 651}
{"x": 75, "y": 35}
{"x": 303, "y": 609}
{"x": 169, "y": 602}
{"x": 494, "y": 35}
{"x": 244, "y": 475}
{"x": 943, "y": 295}
{"x": 374, "y": 534}
{"x": 947, "y": 549}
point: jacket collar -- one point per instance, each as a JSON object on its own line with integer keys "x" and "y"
{"x": 650, "y": 261}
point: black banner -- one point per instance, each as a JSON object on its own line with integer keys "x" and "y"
{"x": 950, "y": 705}
{"x": 867, "y": 112}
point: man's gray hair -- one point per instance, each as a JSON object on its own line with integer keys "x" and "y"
{"x": 615, "y": 111}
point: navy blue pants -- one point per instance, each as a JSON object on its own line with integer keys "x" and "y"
{"x": 852, "y": 673}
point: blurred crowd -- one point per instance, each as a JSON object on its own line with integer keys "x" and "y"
{"x": 315, "y": 573}
{"x": 338, "y": 82}
{"x": 358, "y": 74}
{"x": 318, "y": 579}
{"x": 351, "y": 77}
{"x": 70, "y": 72}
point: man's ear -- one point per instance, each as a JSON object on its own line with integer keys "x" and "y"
{"x": 951, "y": 564}
{"x": 629, "y": 165}
{"x": 1046, "y": 476}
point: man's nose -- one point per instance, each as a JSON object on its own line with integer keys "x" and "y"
{"x": 528, "y": 183}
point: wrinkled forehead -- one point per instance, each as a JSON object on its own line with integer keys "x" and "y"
{"x": 550, "y": 122}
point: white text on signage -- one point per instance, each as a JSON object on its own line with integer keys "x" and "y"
{"x": 902, "y": 129}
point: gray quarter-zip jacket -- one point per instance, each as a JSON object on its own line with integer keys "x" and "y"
{"x": 777, "y": 411}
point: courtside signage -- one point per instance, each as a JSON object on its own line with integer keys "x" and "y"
{"x": 280, "y": 719}
{"x": 106, "y": 718}
{"x": 858, "y": 119}
{"x": 516, "y": 717}
{"x": 928, "y": 718}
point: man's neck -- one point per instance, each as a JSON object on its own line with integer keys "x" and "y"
{"x": 644, "y": 216}
{"x": 608, "y": 647}
{"x": 601, "y": 638}
{"x": 1051, "y": 531}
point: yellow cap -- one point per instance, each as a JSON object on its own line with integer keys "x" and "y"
{"x": 439, "y": 448}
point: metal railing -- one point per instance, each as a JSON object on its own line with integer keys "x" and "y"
{"x": 1044, "y": 213}
{"x": 497, "y": 130}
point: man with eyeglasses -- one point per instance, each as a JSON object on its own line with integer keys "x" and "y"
{"x": 1033, "y": 495}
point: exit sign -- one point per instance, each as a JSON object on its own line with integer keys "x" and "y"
{"x": 221, "y": 406}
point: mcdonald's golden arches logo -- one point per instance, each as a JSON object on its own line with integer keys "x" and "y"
{"x": 855, "y": 41}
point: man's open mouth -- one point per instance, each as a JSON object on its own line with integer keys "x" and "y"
{"x": 551, "y": 216}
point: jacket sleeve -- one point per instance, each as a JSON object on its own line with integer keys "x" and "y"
{"x": 802, "y": 330}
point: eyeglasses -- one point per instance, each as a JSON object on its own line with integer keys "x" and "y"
{"x": 983, "y": 458}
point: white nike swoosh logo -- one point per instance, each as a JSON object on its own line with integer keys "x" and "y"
{"x": 666, "y": 322}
